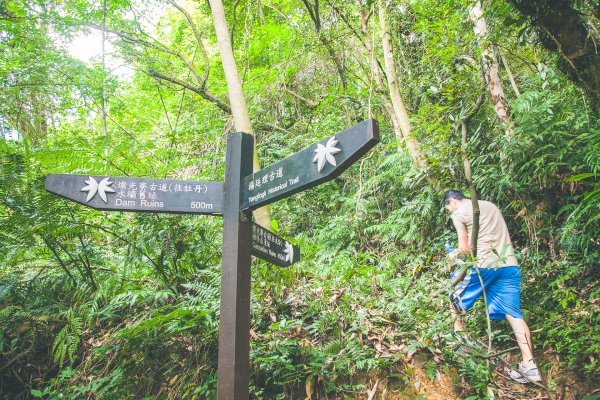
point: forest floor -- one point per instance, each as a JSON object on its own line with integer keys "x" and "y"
{"x": 567, "y": 385}
{"x": 421, "y": 375}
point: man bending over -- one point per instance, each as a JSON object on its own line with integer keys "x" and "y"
{"x": 499, "y": 272}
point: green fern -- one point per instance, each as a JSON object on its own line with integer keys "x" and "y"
{"x": 67, "y": 341}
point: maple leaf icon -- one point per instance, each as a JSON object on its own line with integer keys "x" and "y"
{"x": 289, "y": 252}
{"x": 325, "y": 153}
{"x": 94, "y": 187}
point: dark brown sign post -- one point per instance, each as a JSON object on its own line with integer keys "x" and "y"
{"x": 234, "y": 326}
{"x": 234, "y": 199}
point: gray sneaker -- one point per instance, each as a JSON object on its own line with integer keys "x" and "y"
{"x": 532, "y": 373}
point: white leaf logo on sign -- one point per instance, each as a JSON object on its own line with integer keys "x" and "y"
{"x": 325, "y": 153}
{"x": 94, "y": 187}
{"x": 289, "y": 252}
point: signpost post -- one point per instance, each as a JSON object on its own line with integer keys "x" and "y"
{"x": 234, "y": 199}
{"x": 234, "y": 328}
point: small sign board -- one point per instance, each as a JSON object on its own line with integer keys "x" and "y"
{"x": 272, "y": 248}
{"x": 119, "y": 193}
{"x": 315, "y": 164}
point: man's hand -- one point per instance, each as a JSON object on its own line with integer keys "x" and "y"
{"x": 452, "y": 255}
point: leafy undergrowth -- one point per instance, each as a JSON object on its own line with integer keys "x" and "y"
{"x": 341, "y": 324}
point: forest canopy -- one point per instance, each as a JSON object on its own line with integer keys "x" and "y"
{"x": 498, "y": 98}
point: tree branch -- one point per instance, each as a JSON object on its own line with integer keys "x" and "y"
{"x": 199, "y": 89}
{"x": 196, "y": 89}
{"x": 309, "y": 103}
{"x": 156, "y": 45}
{"x": 198, "y": 37}
{"x": 313, "y": 12}
{"x": 339, "y": 13}
{"x": 267, "y": 126}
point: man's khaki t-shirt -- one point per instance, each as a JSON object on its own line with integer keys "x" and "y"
{"x": 493, "y": 234}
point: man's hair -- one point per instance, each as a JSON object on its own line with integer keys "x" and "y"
{"x": 453, "y": 194}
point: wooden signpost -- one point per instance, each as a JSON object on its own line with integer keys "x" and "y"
{"x": 234, "y": 199}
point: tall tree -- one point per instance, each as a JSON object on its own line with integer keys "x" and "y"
{"x": 237, "y": 100}
{"x": 563, "y": 29}
{"x": 491, "y": 67}
{"x": 412, "y": 144}
{"x": 391, "y": 98}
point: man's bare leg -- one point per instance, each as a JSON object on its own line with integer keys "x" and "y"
{"x": 458, "y": 321}
{"x": 523, "y": 337}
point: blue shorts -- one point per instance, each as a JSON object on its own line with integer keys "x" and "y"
{"x": 502, "y": 289}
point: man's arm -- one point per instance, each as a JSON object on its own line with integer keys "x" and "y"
{"x": 463, "y": 239}
{"x": 463, "y": 242}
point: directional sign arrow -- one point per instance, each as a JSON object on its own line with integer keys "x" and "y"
{"x": 315, "y": 164}
{"x": 119, "y": 193}
{"x": 272, "y": 248}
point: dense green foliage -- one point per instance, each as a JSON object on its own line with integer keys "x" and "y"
{"x": 116, "y": 306}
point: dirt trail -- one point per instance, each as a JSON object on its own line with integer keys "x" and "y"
{"x": 565, "y": 384}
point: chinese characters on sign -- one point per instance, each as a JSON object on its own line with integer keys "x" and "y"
{"x": 315, "y": 164}
{"x": 139, "y": 194}
{"x": 273, "y": 182}
{"x": 272, "y": 248}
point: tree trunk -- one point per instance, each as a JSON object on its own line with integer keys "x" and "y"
{"x": 388, "y": 107}
{"x": 513, "y": 83}
{"x": 562, "y": 30}
{"x": 491, "y": 68}
{"x": 239, "y": 110}
{"x": 472, "y": 190}
{"x": 412, "y": 144}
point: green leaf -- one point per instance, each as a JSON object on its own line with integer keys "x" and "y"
{"x": 580, "y": 177}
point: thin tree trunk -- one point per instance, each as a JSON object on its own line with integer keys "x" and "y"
{"x": 412, "y": 144}
{"x": 376, "y": 71}
{"x": 388, "y": 106}
{"x": 102, "y": 99}
{"x": 513, "y": 83}
{"x": 313, "y": 11}
{"x": 472, "y": 190}
{"x": 239, "y": 109}
{"x": 491, "y": 68}
{"x": 464, "y": 124}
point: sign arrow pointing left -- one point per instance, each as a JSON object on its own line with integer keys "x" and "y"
{"x": 120, "y": 193}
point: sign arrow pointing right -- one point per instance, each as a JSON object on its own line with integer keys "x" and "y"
{"x": 315, "y": 164}
{"x": 272, "y": 248}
